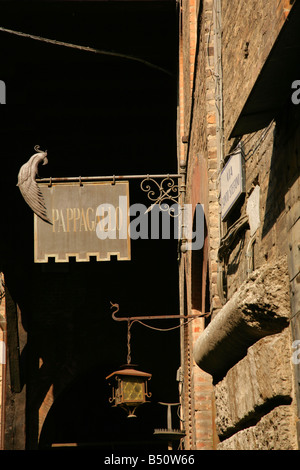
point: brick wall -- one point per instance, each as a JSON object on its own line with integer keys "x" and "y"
{"x": 198, "y": 123}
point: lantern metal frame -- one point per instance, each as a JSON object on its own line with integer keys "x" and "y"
{"x": 126, "y": 399}
{"x": 127, "y": 371}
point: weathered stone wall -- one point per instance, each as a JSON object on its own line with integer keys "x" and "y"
{"x": 258, "y": 383}
{"x": 255, "y": 393}
{"x": 275, "y": 431}
{"x": 250, "y": 360}
{"x": 249, "y": 32}
{"x": 279, "y": 196}
{"x": 256, "y": 400}
{"x": 259, "y": 308}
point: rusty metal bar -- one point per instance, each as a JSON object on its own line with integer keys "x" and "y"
{"x": 113, "y": 178}
{"x": 153, "y": 317}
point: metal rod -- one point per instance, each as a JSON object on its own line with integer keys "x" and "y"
{"x": 153, "y": 317}
{"x": 104, "y": 178}
{"x": 169, "y": 413}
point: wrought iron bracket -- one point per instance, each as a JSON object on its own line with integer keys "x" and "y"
{"x": 153, "y": 317}
{"x": 157, "y": 192}
{"x": 111, "y": 178}
{"x": 131, "y": 320}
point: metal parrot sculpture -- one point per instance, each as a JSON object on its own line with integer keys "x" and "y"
{"x": 28, "y": 185}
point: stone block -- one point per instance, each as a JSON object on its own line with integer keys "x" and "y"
{"x": 260, "y": 307}
{"x": 275, "y": 431}
{"x": 254, "y": 384}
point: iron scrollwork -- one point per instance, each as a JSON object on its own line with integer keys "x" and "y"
{"x": 159, "y": 193}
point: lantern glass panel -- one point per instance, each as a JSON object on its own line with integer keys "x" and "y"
{"x": 133, "y": 390}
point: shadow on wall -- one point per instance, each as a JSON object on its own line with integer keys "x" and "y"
{"x": 285, "y": 165}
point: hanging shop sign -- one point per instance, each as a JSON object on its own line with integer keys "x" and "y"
{"x": 87, "y": 220}
{"x": 232, "y": 183}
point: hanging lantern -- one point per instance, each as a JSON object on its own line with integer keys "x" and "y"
{"x": 129, "y": 388}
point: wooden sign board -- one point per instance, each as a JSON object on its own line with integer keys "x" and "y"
{"x": 88, "y": 220}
